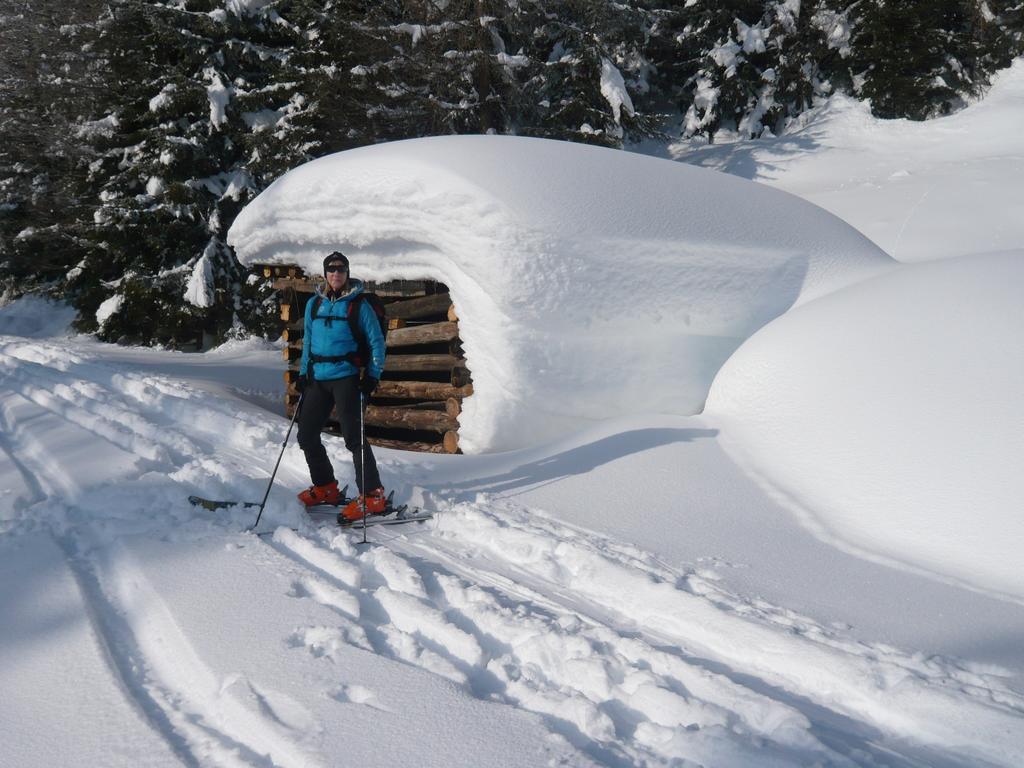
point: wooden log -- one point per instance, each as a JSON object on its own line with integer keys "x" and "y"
{"x": 461, "y": 377}
{"x": 279, "y": 270}
{"x": 443, "y": 396}
{"x": 292, "y": 353}
{"x": 450, "y": 441}
{"x": 407, "y": 445}
{"x": 292, "y": 334}
{"x": 453, "y": 317}
{"x": 403, "y": 418}
{"x": 436, "y": 362}
{"x": 395, "y": 322}
{"x": 298, "y": 284}
{"x": 426, "y": 405}
{"x": 401, "y": 288}
{"x": 426, "y": 306}
{"x": 425, "y": 390}
{"x": 421, "y": 305}
{"x": 293, "y": 276}
{"x": 286, "y": 312}
{"x": 423, "y": 363}
{"x": 423, "y": 334}
{"x": 451, "y": 406}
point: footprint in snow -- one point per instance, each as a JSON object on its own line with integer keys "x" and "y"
{"x": 358, "y": 694}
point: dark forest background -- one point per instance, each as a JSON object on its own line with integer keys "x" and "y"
{"x": 133, "y": 131}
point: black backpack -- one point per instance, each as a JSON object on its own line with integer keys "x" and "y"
{"x": 362, "y": 355}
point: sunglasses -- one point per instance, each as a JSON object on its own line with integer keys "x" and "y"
{"x": 336, "y": 268}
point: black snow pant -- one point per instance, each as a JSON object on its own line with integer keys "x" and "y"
{"x": 320, "y": 397}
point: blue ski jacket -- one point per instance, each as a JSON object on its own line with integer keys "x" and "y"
{"x": 329, "y": 335}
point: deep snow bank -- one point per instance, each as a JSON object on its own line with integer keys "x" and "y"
{"x": 891, "y": 413}
{"x": 588, "y": 281}
{"x": 35, "y": 317}
{"x": 921, "y": 190}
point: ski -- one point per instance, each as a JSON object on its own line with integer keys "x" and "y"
{"x": 391, "y": 519}
{"x": 330, "y": 515}
{"x": 393, "y": 515}
{"x": 416, "y": 516}
{"x": 215, "y": 504}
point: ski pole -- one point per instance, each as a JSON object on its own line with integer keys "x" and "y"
{"x": 273, "y": 474}
{"x": 362, "y": 458}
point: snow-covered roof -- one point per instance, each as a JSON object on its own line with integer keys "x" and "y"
{"x": 588, "y": 281}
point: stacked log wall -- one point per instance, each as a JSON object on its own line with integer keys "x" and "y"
{"x": 419, "y": 400}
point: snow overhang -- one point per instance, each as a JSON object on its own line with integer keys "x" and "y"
{"x": 588, "y": 281}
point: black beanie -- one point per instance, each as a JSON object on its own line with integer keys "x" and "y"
{"x": 335, "y": 256}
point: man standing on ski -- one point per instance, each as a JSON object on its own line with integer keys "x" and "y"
{"x": 337, "y": 319}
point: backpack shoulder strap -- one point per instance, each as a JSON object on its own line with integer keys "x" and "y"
{"x": 375, "y": 304}
{"x": 352, "y": 315}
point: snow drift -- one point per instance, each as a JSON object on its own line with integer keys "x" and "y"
{"x": 891, "y": 413}
{"x": 35, "y": 317}
{"x": 921, "y": 190}
{"x": 574, "y": 269}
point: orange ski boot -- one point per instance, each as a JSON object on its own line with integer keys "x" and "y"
{"x": 321, "y": 494}
{"x": 376, "y": 504}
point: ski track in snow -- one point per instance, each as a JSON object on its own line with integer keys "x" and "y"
{"x": 632, "y": 661}
{"x": 13, "y": 445}
{"x": 204, "y": 720}
{"x": 637, "y": 664}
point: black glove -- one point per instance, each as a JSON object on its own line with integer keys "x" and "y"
{"x": 300, "y": 384}
{"x": 368, "y": 385}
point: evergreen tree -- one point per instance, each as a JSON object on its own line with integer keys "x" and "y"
{"x": 998, "y": 26}
{"x": 925, "y": 59}
{"x": 900, "y": 53}
{"x": 680, "y": 34}
{"x": 420, "y": 68}
{"x": 728, "y": 89}
{"x": 50, "y": 80}
{"x": 133, "y": 131}
{"x": 587, "y": 69}
{"x": 809, "y": 56}
{"x": 211, "y": 113}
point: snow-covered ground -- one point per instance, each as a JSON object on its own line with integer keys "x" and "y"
{"x": 819, "y": 569}
{"x": 920, "y": 190}
{"x": 622, "y": 597}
